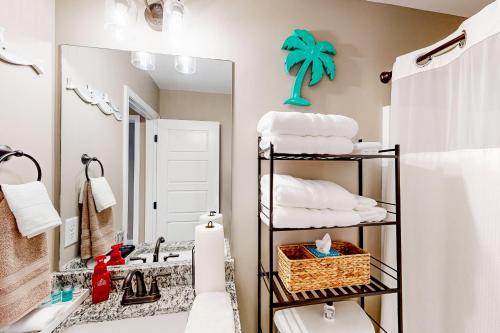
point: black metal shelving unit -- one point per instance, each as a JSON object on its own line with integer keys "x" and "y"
{"x": 279, "y": 297}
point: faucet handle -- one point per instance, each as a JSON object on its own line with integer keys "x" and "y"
{"x": 154, "y": 290}
{"x": 171, "y": 255}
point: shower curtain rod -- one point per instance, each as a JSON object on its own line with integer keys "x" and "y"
{"x": 385, "y": 77}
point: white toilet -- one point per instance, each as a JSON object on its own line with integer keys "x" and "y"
{"x": 349, "y": 318}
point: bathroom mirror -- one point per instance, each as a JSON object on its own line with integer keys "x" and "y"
{"x": 145, "y": 151}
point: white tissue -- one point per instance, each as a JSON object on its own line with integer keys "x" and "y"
{"x": 209, "y": 259}
{"x": 324, "y": 245}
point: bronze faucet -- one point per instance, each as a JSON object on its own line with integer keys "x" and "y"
{"x": 141, "y": 295}
{"x": 156, "y": 255}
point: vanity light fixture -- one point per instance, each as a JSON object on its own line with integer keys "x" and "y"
{"x": 119, "y": 15}
{"x": 173, "y": 12}
{"x": 143, "y": 60}
{"x": 185, "y": 64}
{"x": 164, "y": 15}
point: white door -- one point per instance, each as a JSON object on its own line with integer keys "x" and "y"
{"x": 188, "y": 175}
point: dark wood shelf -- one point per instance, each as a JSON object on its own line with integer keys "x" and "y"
{"x": 285, "y": 299}
{"x": 360, "y": 225}
{"x": 324, "y": 157}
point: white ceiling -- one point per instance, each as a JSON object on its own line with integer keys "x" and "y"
{"x": 212, "y": 76}
{"x": 465, "y": 8}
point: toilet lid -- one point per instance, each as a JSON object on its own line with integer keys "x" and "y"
{"x": 349, "y": 318}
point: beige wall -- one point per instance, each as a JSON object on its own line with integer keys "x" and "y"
{"x": 85, "y": 129}
{"x": 191, "y": 105}
{"x": 26, "y": 99}
{"x": 368, "y": 37}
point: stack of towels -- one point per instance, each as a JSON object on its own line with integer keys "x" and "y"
{"x": 307, "y": 133}
{"x": 300, "y": 203}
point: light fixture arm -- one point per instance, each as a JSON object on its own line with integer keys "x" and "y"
{"x": 10, "y": 57}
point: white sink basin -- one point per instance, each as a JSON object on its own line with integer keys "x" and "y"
{"x": 171, "y": 323}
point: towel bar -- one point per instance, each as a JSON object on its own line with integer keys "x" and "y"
{"x": 87, "y": 160}
{"x": 6, "y": 153}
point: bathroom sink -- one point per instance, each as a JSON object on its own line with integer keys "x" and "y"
{"x": 171, "y": 323}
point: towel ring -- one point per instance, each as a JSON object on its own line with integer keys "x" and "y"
{"x": 87, "y": 160}
{"x": 6, "y": 153}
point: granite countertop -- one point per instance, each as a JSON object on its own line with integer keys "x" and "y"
{"x": 174, "y": 299}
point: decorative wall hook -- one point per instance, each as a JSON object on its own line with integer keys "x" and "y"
{"x": 92, "y": 96}
{"x": 305, "y": 50}
{"x": 10, "y": 57}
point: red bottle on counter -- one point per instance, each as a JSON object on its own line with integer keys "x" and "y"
{"x": 116, "y": 256}
{"x": 101, "y": 281}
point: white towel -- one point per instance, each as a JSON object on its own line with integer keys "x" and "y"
{"x": 291, "y": 217}
{"x": 294, "y": 144}
{"x": 211, "y": 313}
{"x": 367, "y": 147}
{"x": 103, "y": 195}
{"x": 296, "y": 192}
{"x": 32, "y": 208}
{"x": 375, "y": 214}
{"x": 38, "y": 319}
{"x": 302, "y": 124}
{"x": 364, "y": 203}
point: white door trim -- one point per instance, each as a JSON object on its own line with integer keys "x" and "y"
{"x": 136, "y": 120}
{"x": 133, "y": 101}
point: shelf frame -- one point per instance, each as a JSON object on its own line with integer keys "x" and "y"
{"x": 375, "y": 288}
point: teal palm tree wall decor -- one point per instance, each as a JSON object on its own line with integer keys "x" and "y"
{"x": 305, "y": 50}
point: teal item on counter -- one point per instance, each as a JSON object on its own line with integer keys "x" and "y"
{"x": 305, "y": 50}
{"x": 55, "y": 296}
{"x": 317, "y": 254}
{"x": 67, "y": 294}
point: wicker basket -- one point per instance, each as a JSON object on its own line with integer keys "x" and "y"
{"x": 300, "y": 270}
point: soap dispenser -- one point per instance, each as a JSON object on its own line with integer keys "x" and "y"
{"x": 101, "y": 281}
{"x": 116, "y": 256}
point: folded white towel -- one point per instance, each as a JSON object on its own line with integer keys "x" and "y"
{"x": 292, "y": 217}
{"x": 38, "y": 319}
{"x": 364, "y": 203}
{"x": 212, "y": 312}
{"x": 32, "y": 208}
{"x": 375, "y": 214}
{"x": 302, "y": 124}
{"x": 367, "y": 147}
{"x": 103, "y": 195}
{"x": 294, "y": 144}
{"x": 296, "y": 192}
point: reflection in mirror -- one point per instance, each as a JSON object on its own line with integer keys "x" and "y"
{"x": 145, "y": 153}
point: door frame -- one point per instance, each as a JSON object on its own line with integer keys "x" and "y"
{"x": 132, "y": 100}
{"x": 136, "y": 120}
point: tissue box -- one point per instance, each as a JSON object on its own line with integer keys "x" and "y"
{"x": 300, "y": 270}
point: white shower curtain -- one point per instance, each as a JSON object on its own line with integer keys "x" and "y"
{"x": 446, "y": 116}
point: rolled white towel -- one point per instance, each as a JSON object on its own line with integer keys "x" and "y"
{"x": 103, "y": 195}
{"x": 292, "y": 217}
{"x": 32, "y": 208}
{"x": 296, "y": 192}
{"x": 367, "y": 147}
{"x": 302, "y": 124}
{"x": 212, "y": 312}
{"x": 294, "y": 144}
{"x": 375, "y": 214}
